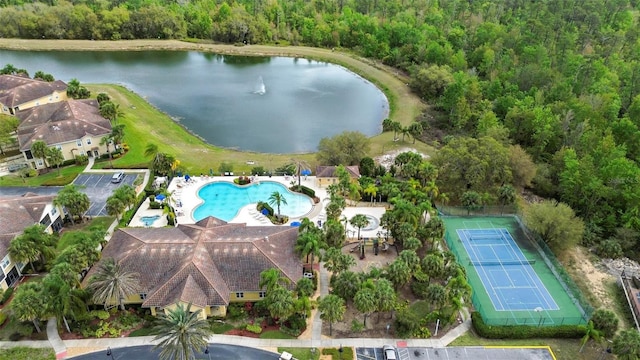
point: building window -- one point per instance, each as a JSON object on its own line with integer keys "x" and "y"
{"x": 54, "y": 210}
{"x": 79, "y": 142}
{"x": 239, "y": 295}
{"x": 143, "y": 296}
{"x": 5, "y": 262}
{"x": 88, "y": 141}
{"x": 263, "y": 294}
{"x": 40, "y": 163}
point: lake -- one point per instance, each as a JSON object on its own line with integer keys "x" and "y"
{"x": 262, "y": 104}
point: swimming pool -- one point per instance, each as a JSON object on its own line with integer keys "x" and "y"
{"x": 149, "y": 220}
{"x": 223, "y": 200}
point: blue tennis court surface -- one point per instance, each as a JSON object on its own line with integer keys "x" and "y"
{"x": 507, "y": 275}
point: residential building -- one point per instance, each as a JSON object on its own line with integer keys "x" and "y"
{"x": 16, "y": 214}
{"x": 73, "y": 126}
{"x": 326, "y": 175}
{"x": 21, "y": 93}
{"x": 209, "y": 264}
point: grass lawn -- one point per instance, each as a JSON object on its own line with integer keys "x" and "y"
{"x": 25, "y": 353}
{"x": 347, "y": 353}
{"x": 220, "y": 328}
{"x": 51, "y": 178}
{"x": 420, "y": 308}
{"x": 13, "y": 326}
{"x": 564, "y": 349}
{"x": 145, "y": 331}
{"x": 275, "y": 334}
{"x": 68, "y": 238}
{"x": 302, "y": 353}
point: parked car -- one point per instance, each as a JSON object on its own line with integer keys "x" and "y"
{"x": 389, "y": 352}
{"x": 16, "y": 167}
{"x": 117, "y": 177}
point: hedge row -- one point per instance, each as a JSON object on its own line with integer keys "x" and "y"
{"x": 525, "y": 331}
{"x": 264, "y": 205}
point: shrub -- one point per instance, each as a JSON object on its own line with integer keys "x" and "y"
{"x": 256, "y": 329}
{"x": 407, "y": 323}
{"x": 525, "y": 331}
{"x": 356, "y": 326}
{"x": 236, "y": 311}
{"x": 297, "y": 323}
{"x": 258, "y": 170}
{"x": 81, "y": 160}
{"x": 264, "y": 205}
{"x": 603, "y": 320}
{"x": 6, "y": 295}
{"x": 3, "y": 317}
{"x": 15, "y": 337}
{"x": 610, "y": 249}
{"x": 419, "y": 289}
{"x": 100, "y": 314}
{"x": 154, "y": 205}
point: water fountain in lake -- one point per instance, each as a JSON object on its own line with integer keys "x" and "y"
{"x": 260, "y": 89}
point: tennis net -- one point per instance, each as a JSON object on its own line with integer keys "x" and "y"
{"x": 500, "y": 263}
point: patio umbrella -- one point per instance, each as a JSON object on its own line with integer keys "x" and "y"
{"x": 305, "y": 172}
{"x": 295, "y": 223}
{"x": 160, "y": 197}
{"x": 187, "y": 177}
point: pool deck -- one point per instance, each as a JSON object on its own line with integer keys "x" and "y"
{"x": 184, "y": 196}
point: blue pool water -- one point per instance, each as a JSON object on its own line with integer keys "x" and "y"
{"x": 223, "y": 200}
{"x": 149, "y": 220}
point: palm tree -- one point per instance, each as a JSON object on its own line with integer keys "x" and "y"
{"x": 111, "y": 284}
{"x": 506, "y": 196}
{"x": 28, "y": 304}
{"x": 277, "y": 199}
{"x": 385, "y": 295}
{"x": 280, "y": 303}
{"x": 61, "y": 299}
{"x": 399, "y": 273}
{"x": 590, "y": 333}
{"x": 33, "y": 244}
{"x": 359, "y": 221}
{"x": 39, "y": 150}
{"x": 106, "y": 140}
{"x": 332, "y": 309}
{"x": 365, "y": 302}
{"x": 272, "y": 278}
{"x": 308, "y": 244}
{"x": 181, "y": 333}
{"x": 55, "y": 157}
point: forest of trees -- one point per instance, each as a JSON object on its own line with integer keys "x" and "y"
{"x": 555, "y": 81}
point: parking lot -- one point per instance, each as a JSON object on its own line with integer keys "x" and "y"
{"x": 98, "y": 188}
{"x": 460, "y": 353}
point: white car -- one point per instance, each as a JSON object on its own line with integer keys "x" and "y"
{"x": 117, "y": 177}
{"x": 389, "y": 352}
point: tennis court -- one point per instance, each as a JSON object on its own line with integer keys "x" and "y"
{"x": 512, "y": 283}
{"x": 505, "y": 272}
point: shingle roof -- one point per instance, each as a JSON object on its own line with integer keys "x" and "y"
{"x": 203, "y": 263}
{"x": 16, "y": 90}
{"x": 61, "y": 122}
{"x": 330, "y": 171}
{"x": 18, "y": 213}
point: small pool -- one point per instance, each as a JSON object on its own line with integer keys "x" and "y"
{"x": 149, "y": 220}
{"x": 223, "y": 200}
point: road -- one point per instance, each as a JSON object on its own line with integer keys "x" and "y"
{"x": 216, "y": 352}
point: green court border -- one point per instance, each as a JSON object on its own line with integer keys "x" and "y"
{"x": 569, "y": 312}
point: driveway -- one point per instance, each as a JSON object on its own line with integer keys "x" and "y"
{"x": 98, "y": 188}
{"x": 216, "y": 352}
{"x": 459, "y": 353}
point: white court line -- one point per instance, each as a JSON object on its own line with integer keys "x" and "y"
{"x": 532, "y": 278}
{"x": 482, "y": 279}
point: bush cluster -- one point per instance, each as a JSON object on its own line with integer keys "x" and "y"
{"x": 254, "y": 328}
{"x": 264, "y": 205}
{"x": 6, "y": 295}
{"x": 525, "y": 331}
{"x": 305, "y": 190}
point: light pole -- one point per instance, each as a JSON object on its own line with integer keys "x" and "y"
{"x": 110, "y": 353}
{"x": 539, "y": 311}
{"x": 340, "y": 350}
